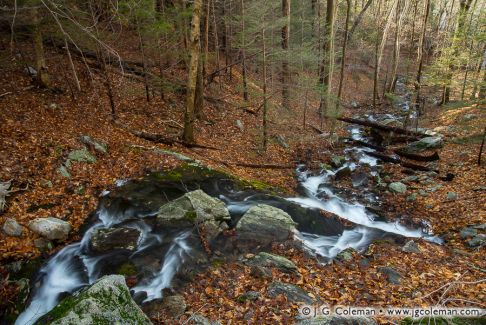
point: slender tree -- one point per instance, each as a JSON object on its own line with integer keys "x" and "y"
{"x": 285, "y": 79}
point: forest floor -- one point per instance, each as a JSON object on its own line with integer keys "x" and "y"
{"x": 38, "y": 129}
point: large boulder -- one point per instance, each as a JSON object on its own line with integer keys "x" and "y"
{"x": 107, "y": 301}
{"x": 50, "y": 228}
{"x": 104, "y": 240}
{"x": 425, "y": 144}
{"x": 195, "y": 208}
{"x": 262, "y": 225}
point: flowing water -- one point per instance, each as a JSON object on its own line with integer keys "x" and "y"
{"x": 162, "y": 253}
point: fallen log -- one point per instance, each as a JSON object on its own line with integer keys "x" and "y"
{"x": 381, "y": 127}
{"x": 398, "y": 161}
{"x": 264, "y": 166}
{"x": 366, "y": 144}
{"x": 315, "y": 128}
{"x": 402, "y": 153}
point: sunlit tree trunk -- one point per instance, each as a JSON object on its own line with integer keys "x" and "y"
{"x": 243, "y": 52}
{"x": 285, "y": 79}
{"x": 327, "y": 60}
{"x": 194, "y": 47}
{"x": 421, "y": 55}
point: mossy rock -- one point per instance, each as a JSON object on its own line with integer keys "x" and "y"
{"x": 107, "y": 301}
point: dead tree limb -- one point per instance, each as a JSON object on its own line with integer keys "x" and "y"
{"x": 481, "y": 148}
{"x": 382, "y": 127}
{"x": 398, "y": 161}
{"x": 402, "y": 153}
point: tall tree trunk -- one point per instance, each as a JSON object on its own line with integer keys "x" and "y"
{"x": 206, "y": 38}
{"x": 71, "y": 64}
{"x": 216, "y": 40}
{"x": 265, "y": 99}
{"x": 464, "y": 6}
{"x": 359, "y": 18}
{"x": 396, "y": 49}
{"x": 482, "y": 88}
{"x": 327, "y": 60}
{"x": 195, "y": 48}
{"x": 421, "y": 55}
{"x": 285, "y": 79}
{"x": 40, "y": 58}
{"x": 144, "y": 63}
{"x": 377, "y": 63}
{"x": 243, "y": 52}
{"x": 343, "y": 55}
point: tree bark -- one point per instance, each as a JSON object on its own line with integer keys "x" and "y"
{"x": 243, "y": 52}
{"x": 265, "y": 100}
{"x": 343, "y": 56}
{"x": 421, "y": 55}
{"x": 327, "y": 60}
{"x": 359, "y": 18}
{"x": 42, "y": 78}
{"x": 188, "y": 134}
{"x": 285, "y": 79}
{"x": 71, "y": 63}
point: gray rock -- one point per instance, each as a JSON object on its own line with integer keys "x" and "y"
{"x": 397, "y": 187}
{"x": 42, "y": 244}
{"x": 272, "y": 260}
{"x": 409, "y": 179}
{"x": 292, "y": 292}
{"x": 249, "y": 295}
{"x": 104, "y": 240}
{"x": 263, "y": 225}
{"x": 81, "y": 155}
{"x": 411, "y": 247}
{"x": 359, "y": 179}
{"x": 98, "y": 146}
{"x": 198, "y": 319}
{"x": 50, "y": 228}
{"x": 412, "y": 197}
{"x": 468, "y": 232}
{"x": 391, "y": 274}
{"x": 425, "y": 144}
{"x": 354, "y": 104}
{"x": 469, "y": 117}
{"x": 63, "y": 170}
{"x": 240, "y": 125}
{"x": 477, "y": 241}
{"x": 337, "y": 320}
{"x": 346, "y": 255}
{"x": 337, "y": 161}
{"x": 392, "y": 122}
{"x": 195, "y": 208}
{"x": 480, "y": 226}
{"x": 107, "y": 301}
{"x": 451, "y": 196}
{"x": 12, "y": 228}
{"x": 423, "y": 193}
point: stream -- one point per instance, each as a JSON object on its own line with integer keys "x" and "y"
{"x": 161, "y": 254}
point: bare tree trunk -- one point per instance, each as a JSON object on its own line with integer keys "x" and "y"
{"x": 481, "y": 148}
{"x": 396, "y": 50}
{"x": 285, "y": 79}
{"x": 216, "y": 41}
{"x": 206, "y": 38}
{"x": 40, "y": 58}
{"x": 265, "y": 100}
{"x": 327, "y": 60}
{"x": 195, "y": 48}
{"x": 71, "y": 63}
{"x": 359, "y": 18}
{"x": 144, "y": 63}
{"x": 377, "y": 63}
{"x": 107, "y": 83}
{"x": 421, "y": 55}
{"x": 343, "y": 54}
{"x": 243, "y": 52}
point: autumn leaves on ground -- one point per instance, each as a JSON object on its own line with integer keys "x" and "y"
{"x": 39, "y": 128}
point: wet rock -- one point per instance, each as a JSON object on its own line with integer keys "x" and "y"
{"x": 50, "y": 228}
{"x": 249, "y": 295}
{"x": 411, "y": 247}
{"x": 425, "y": 144}
{"x": 359, "y": 179}
{"x": 97, "y": 146}
{"x": 468, "y": 232}
{"x": 107, "y": 301}
{"x": 42, "y": 244}
{"x": 263, "y": 225}
{"x": 12, "y": 228}
{"x": 271, "y": 260}
{"x": 195, "y": 208}
{"x": 477, "y": 241}
{"x": 391, "y": 275}
{"x": 292, "y": 292}
{"x": 81, "y": 155}
{"x": 261, "y": 272}
{"x": 105, "y": 240}
{"x": 451, "y": 196}
{"x": 337, "y": 161}
{"x": 240, "y": 125}
{"x": 172, "y": 306}
{"x": 337, "y": 320}
{"x": 346, "y": 255}
{"x": 397, "y": 187}
{"x": 342, "y": 173}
